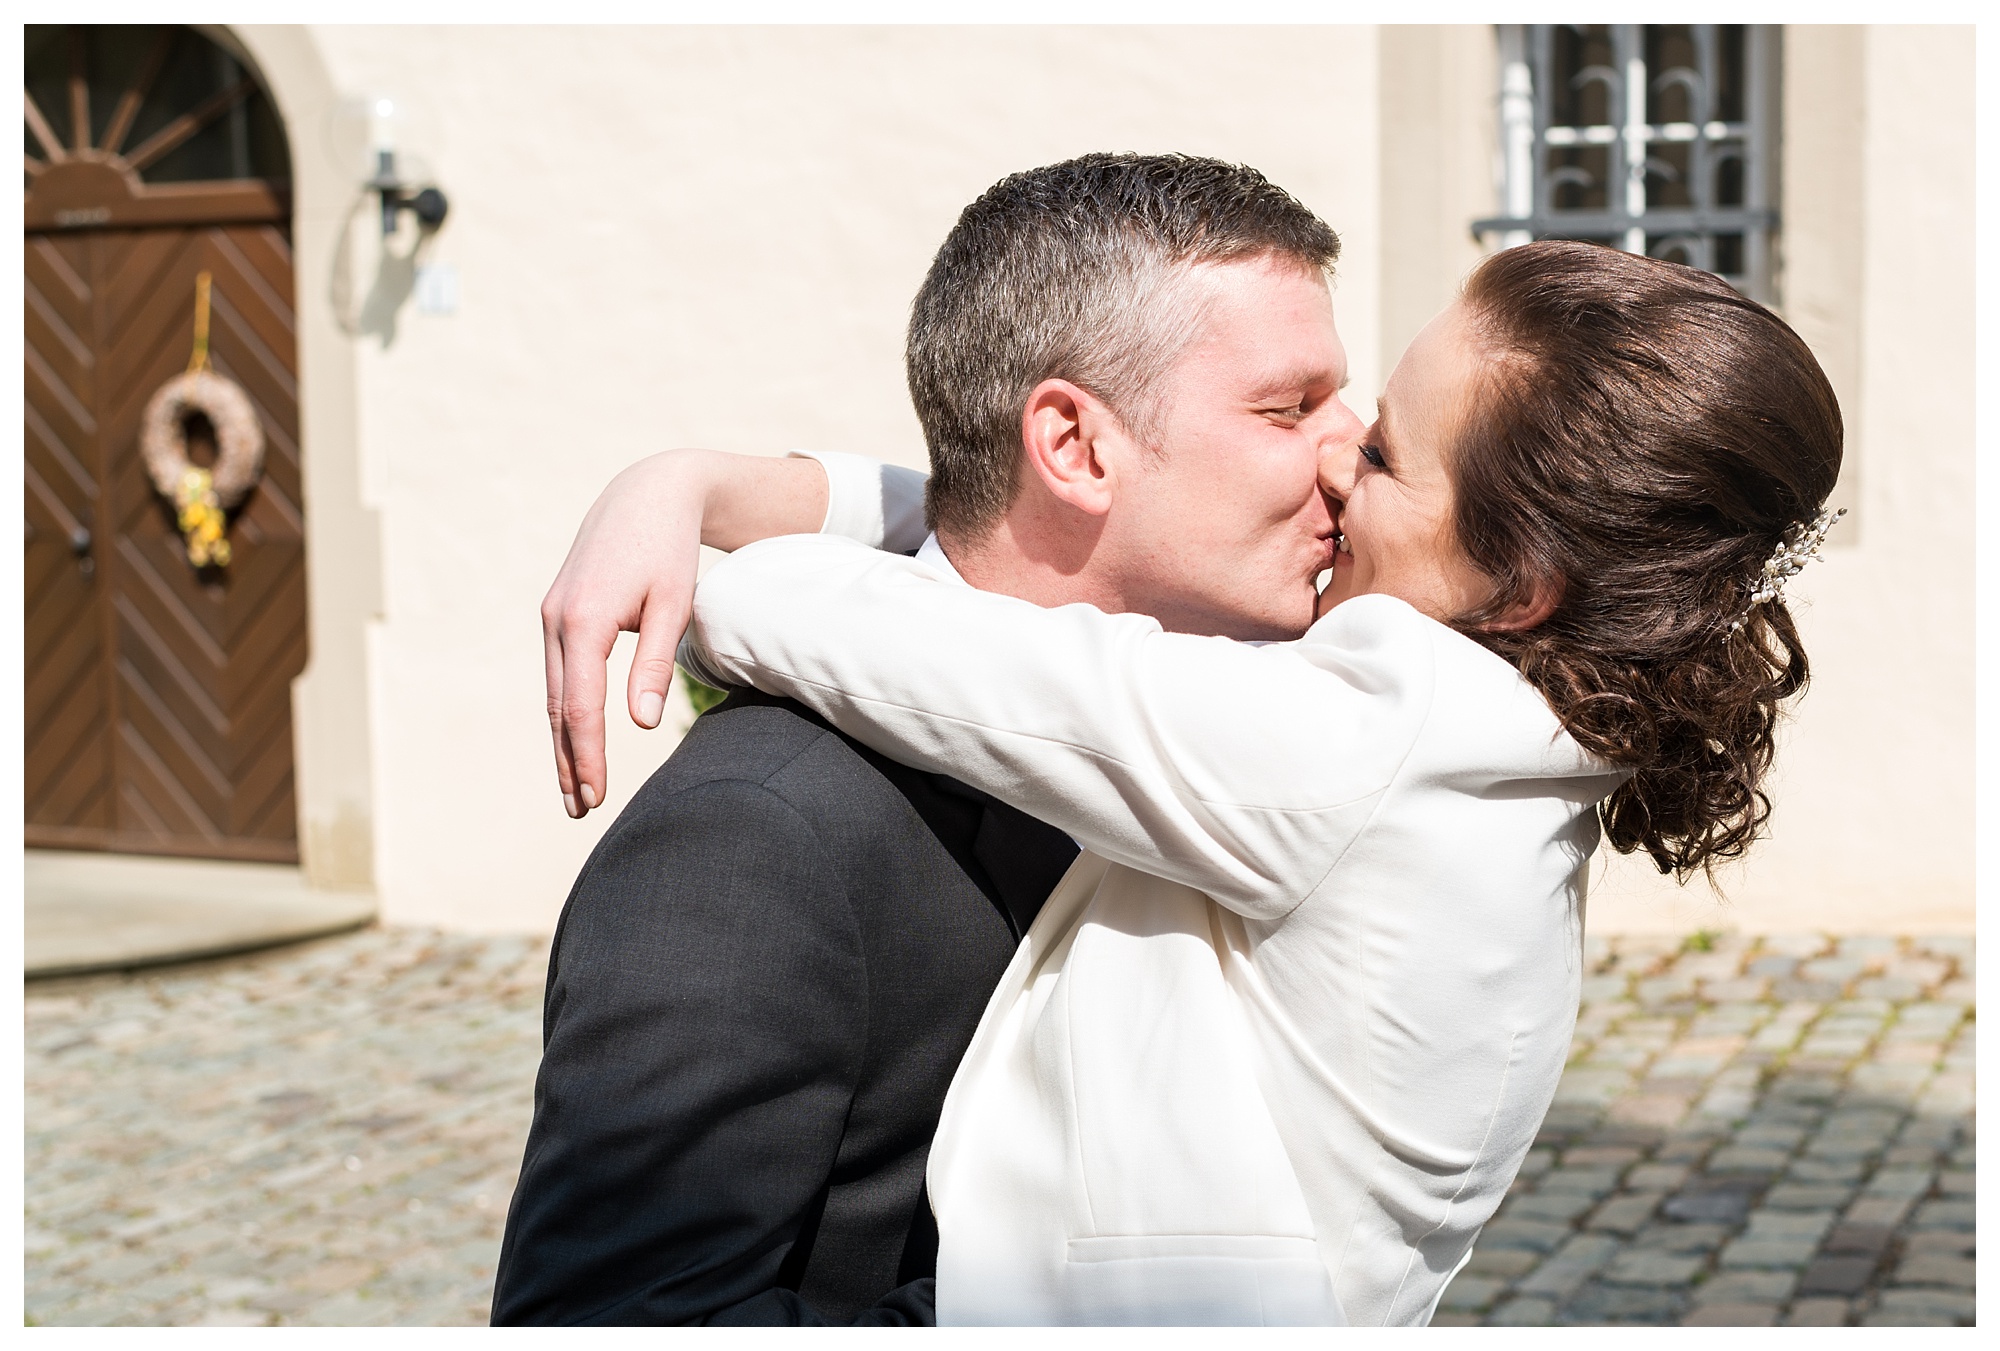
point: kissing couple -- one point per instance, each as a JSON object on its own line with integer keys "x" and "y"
{"x": 1083, "y": 913}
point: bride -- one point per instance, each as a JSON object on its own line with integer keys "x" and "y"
{"x": 1278, "y": 1044}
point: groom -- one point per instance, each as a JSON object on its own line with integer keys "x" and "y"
{"x": 1126, "y": 369}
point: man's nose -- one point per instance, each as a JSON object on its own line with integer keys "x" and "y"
{"x": 1336, "y": 470}
{"x": 1341, "y": 426}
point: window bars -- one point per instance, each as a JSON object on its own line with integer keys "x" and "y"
{"x": 1654, "y": 138}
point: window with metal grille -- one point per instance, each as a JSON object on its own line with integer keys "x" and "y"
{"x": 1654, "y": 138}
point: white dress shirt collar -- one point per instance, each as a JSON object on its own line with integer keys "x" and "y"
{"x": 932, "y": 555}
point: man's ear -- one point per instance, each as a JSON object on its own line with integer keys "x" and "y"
{"x": 1066, "y": 432}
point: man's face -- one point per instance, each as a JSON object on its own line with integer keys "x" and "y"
{"x": 1225, "y": 529}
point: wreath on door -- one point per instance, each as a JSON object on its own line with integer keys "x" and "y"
{"x": 202, "y": 497}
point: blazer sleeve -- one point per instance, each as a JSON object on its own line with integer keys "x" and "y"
{"x": 701, "y": 1046}
{"x": 1242, "y": 770}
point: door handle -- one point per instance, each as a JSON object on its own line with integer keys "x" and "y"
{"x": 79, "y": 541}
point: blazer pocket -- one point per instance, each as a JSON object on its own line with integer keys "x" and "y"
{"x": 1200, "y": 1280}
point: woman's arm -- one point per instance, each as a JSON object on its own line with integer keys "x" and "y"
{"x": 1244, "y": 771}
{"x": 634, "y": 561}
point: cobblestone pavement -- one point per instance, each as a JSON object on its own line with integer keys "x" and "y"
{"x": 1749, "y": 1133}
{"x": 322, "y": 1134}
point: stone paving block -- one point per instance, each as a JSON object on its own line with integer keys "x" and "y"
{"x": 1625, "y": 1213}
{"x": 1838, "y": 970}
{"x": 1601, "y": 1156}
{"x": 1591, "y": 1182}
{"x": 1597, "y": 1303}
{"x": 1650, "y": 1109}
{"x": 1578, "y": 1258}
{"x": 1877, "y": 1210}
{"x": 1734, "y": 1315}
{"x": 1659, "y": 990}
{"x": 1683, "y": 1238}
{"x": 1919, "y": 1308}
{"x": 1869, "y": 1240}
{"x": 1828, "y": 1275}
{"x": 1808, "y": 1196}
{"x": 1788, "y": 1227}
{"x": 1935, "y": 1269}
{"x": 1962, "y": 992}
{"x": 1503, "y": 1263}
{"x": 1685, "y": 1148}
{"x": 1902, "y": 1182}
{"x": 1803, "y": 990}
{"x": 1557, "y": 1206}
{"x": 1656, "y": 1176}
{"x": 1952, "y": 1214}
{"x": 1748, "y": 1159}
{"x": 1524, "y": 1312}
{"x": 1891, "y": 1079}
{"x": 1767, "y": 1252}
{"x": 1747, "y": 1287}
{"x": 1888, "y": 987}
{"x": 1641, "y": 1266}
{"x": 1530, "y": 1235}
{"x": 1956, "y": 1242}
{"x": 1471, "y": 1292}
{"x": 1818, "y": 1170}
{"x": 1817, "y": 1313}
{"x": 1710, "y": 1204}
{"x": 1592, "y": 1086}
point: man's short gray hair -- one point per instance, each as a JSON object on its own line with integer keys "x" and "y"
{"x": 1078, "y": 271}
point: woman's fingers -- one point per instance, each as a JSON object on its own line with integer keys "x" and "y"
{"x": 576, "y": 645}
{"x": 661, "y": 625}
{"x": 552, "y": 663}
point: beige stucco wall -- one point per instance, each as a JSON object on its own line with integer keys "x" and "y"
{"x": 699, "y": 236}
{"x": 710, "y": 236}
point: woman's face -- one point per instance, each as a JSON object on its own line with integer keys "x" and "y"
{"x": 1392, "y": 490}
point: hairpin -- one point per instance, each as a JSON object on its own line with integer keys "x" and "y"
{"x": 1797, "y": 547}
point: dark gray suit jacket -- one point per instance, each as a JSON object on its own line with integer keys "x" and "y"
{"x": 758, "y": 992}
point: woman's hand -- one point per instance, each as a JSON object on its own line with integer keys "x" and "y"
{"x": 632, "y": 569}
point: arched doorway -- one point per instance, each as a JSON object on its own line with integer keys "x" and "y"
{"x": 158, "y": 694}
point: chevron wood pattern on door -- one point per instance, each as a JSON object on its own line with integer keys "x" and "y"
{"x": 158, "y": 696}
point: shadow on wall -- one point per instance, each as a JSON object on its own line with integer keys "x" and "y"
{"x": 394, "y": 282}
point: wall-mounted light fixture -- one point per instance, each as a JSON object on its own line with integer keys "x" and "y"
{"x": 386, "y": 118}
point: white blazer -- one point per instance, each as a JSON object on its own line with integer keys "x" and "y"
{"x": 1278, "y": 1043}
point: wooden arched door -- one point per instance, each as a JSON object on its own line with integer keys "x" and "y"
{"x": 158, "y": 694}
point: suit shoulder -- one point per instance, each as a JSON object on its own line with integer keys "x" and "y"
{"x": 753, "y": 742}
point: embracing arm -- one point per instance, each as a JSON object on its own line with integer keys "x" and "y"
{"x": 1243, "y": 771}
{"x": 632, "y": 568}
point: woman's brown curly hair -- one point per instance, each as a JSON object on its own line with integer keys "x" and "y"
{"x": 1643, "y": 439}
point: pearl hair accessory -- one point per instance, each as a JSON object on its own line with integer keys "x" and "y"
{"x": 1798, "y": 547}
